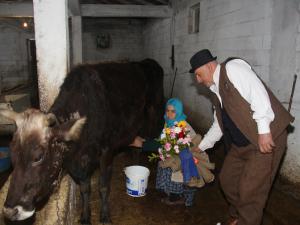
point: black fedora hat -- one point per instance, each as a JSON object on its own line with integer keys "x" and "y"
{"x": 201, "y": 58}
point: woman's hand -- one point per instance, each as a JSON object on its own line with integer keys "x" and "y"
{"x": 137, "y": 142}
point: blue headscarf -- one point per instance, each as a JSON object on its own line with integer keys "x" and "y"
{"x": 177, "y": 104}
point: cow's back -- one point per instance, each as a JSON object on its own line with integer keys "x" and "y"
{"x": 117, "y": 98}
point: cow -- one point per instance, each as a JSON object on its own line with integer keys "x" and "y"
{"x": 99, "y": 108}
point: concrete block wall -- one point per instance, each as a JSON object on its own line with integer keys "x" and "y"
{"x": 13, "y": 53}
{"x": 228, "y": 28}
{"x": 158, "y": 37}
{"x": 284, "y": 64}
{"x": 125, "y": 39}
{"x": 265, "y": 33}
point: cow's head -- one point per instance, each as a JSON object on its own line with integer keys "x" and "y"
{"x": 37, "y": 151}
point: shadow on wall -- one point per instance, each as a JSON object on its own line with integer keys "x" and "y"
{"x": 199, "y": 120}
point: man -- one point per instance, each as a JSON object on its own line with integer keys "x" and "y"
{"x": 254, "y": 122}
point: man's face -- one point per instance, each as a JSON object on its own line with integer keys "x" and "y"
{"x": 204, "y": 74}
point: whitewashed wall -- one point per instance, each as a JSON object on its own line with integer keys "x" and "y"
{"x": 157, "y": 45}
{"x": 284, "y": 63}
{"x": 228, "y": 28}
{"x": 13, "y": 53}
{"x": 265, "y": 33}
{"x": 125, "y": 39}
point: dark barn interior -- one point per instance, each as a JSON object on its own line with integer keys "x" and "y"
{"x": 41, "y": 42}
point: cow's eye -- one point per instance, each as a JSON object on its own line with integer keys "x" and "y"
{"x": 38, "y": 160}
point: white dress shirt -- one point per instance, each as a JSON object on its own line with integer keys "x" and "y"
{"x": 251, "y": 89}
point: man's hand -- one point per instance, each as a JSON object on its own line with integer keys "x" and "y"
{"x": 265, "y": 143}
{"x": 196, "y": 149}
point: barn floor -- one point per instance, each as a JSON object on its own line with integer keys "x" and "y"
{"x": 210, "y": 206}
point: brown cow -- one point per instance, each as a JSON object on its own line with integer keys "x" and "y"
{"x": 99, "y": 108}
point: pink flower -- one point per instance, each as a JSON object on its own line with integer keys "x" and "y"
{"x": 161, "y": 156}
{"x": 186, "y": 141}
{"x": 168, "y": 146}
{"x": 173, "y": 135}
{"x": 180, "y": 140}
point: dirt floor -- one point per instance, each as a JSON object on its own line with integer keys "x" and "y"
{"x": 210, "y": 206}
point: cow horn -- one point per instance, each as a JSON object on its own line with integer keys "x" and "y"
{"x": 51, "y": 119}
{"x": 75, "y": 131}
{"x": 10, "y": 114}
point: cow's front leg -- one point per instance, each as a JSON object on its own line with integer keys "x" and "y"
{"x": 85, "y": 191}
{"x": 104, "y": 185}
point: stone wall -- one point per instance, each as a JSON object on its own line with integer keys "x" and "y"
{"x": 13, "y": 53}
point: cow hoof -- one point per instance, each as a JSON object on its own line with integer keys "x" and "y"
{"x": 105, "y": 220}
{"x": 84, "y": 222}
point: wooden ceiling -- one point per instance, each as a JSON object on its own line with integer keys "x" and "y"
{"x": 122, "y": 2}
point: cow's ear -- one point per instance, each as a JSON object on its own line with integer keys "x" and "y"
{"x": 71, "y": 130}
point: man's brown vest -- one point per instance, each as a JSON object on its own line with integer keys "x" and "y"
{"x": 240, "y": 112}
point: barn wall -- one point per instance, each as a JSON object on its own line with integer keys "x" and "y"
{"x": 125, "y": 39}
{"x": 13, "y": 53}
{"x": 157, "y": 45}
{"x": 284, "y": 63}
{"x": 265, "y": 33}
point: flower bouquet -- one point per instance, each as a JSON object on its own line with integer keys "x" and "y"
{"x": 172, "y": 140}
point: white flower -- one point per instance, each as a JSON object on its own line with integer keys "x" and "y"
{"x": 176, "y": 147}
{"x": 163, "y": 135}
{"x": 177, "y": 130}
{"x": 160, "y": 151}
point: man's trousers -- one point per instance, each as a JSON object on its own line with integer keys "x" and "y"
{"x": 246, "y": 179}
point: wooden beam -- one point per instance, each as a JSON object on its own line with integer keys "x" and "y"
{"x": 74, "y": 7}
{"x": 16, "y": 10}
{"x": 164, "y": 2}
{"x": 146, "y": 11}
{"x": 139, "y": 2}
{"x": 132, "y": 2}
{"x": 157, "y": 2}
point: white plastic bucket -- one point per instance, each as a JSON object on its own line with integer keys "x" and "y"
{"x": 136, "y": 180}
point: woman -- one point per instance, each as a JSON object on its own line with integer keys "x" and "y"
{"x": 167, "y": 180}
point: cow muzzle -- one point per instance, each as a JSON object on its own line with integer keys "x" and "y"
{"x": 17, "y": 213}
